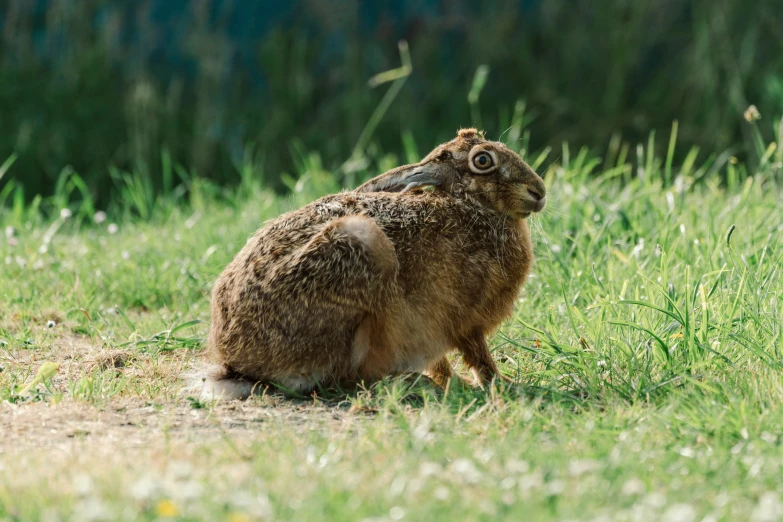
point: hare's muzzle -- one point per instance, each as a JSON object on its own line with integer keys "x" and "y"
{"x": 534, "y": 196}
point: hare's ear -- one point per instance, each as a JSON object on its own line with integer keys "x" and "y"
{"x": 416, "y": 180}
{"x": 403, "y": 181}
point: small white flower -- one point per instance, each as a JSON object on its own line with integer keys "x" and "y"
{"x": 517, "y": 466}
{"x": 113, "y": 228}
{"x": 688, "y": 453}
{"x": 466, "y": 471}
{"x": 396, "y": 513}
{"x": 99, "y": 217}
{"x": 10, "y": 232}
{"x": 556, "y": 249}
{"x": 484, "y": 455}
{"x": 441, "y": 493}
{"x": 556, "y": 487}
{"x": 187, "y": 490}
{"x": 92, "y": 510}
{"x": 769, "y": 508}
{"x": 680, "y": 513}
{"x": 66, "y": 213}
{"x": 579, "y": 467}
{"x": 655, "y": 499}
{"x": 633, "y": 486}
{"x": 83, "y": 485}
{"x": 429, "y": 469}
{"x": 145, "y": 489}
{"x": 258, "y": 506}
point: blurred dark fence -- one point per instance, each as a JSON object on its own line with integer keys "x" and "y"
{"x": 93, "y": 83}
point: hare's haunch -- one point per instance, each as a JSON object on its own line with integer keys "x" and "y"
{"x": 383, "y": 279}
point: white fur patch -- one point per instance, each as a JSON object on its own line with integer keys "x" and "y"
{"x": 360, "y": 345}
{"x": 207, "y": 384}
{"x": 299, "y": 384}
{"x": 416, "y": 363}
{"x": 362, "y": 229}
{"x": 226, "y": 390}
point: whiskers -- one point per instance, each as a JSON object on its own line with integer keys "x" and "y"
{"x": 534, "y": 224}
{"x": 550, "y": 211}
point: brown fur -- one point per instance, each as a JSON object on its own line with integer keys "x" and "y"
{"x": 383, "y": 279}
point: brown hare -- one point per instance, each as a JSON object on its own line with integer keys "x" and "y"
{"x": 383, "y": 279}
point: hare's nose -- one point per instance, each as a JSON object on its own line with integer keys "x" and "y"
{"x": 537, "y": 193}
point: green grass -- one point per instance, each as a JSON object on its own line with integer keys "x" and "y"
{"x": 647, "y": 346}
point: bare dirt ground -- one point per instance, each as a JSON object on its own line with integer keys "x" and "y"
{"x": 153, "y": 405}
{"x": 136, "y": 424}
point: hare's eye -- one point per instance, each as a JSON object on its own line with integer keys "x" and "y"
{"x": 482, "y": 161}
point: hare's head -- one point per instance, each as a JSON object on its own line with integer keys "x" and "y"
{"x": 469, "y": 164}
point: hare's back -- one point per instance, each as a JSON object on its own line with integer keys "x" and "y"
{"x": 391, "y": 211}
{"x": 419, "y": 224}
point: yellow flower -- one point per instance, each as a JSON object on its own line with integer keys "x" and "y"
{"x": 166, "y": 508}
{"x": 238, "y": 517}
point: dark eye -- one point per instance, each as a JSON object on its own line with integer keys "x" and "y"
{"x": 482, "y": 160}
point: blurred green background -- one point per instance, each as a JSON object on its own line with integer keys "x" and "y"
{"x": 225, "y": 88}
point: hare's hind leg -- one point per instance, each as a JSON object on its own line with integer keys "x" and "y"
{"x": 441, "y": 372}
{"x": 297, "y": 329}
{"x": 344, "y": 275}
{"x": 350, "y": 261}
{"x": 475, "y": 353}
